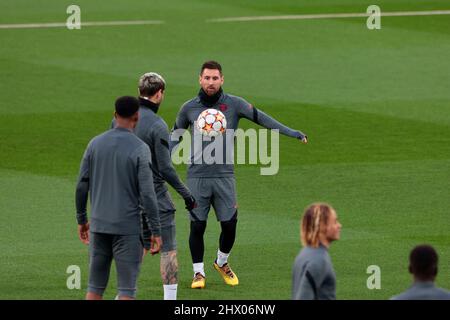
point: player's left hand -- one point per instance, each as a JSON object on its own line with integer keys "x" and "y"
{"x": 190, "y": 203}
{"x": 305, "y": 140}
{"x": 155, "y": 244}
{"x": 83, "y": 233}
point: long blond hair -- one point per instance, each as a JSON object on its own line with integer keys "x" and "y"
{"x": 314, "y": 222}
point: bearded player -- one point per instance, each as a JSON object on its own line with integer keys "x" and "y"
{"x": 214, "y": 183}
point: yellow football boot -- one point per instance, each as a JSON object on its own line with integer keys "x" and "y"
{"x": 198, "y": 282}
{"x": 227, "y": 274}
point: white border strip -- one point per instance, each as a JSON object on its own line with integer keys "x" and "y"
{"x": 330, "y": 16}
{"x": 83, "y": 24}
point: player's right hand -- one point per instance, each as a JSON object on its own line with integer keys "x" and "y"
{"x": 155, "y": 244}
{"x": 190, "y": 203}
{"x": 302, "y": 137}
{"x": 83, "y": 233}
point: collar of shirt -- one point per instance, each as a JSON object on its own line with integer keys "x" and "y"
{"x": 423, "y": 284}
{"x": 123, "y": 129}
{"x": 209, "y": 101}
{"x": 148, "y": 104}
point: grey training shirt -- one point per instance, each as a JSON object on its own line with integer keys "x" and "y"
{"x": 313, "y": 277}
{"x": 116, "y": 171}
{"x": 234, "y": 108}
{"x": 425, "y": 290}
{"x": 152, "y": 129}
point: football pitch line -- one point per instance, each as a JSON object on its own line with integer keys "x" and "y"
{"x": 83, "y": 24}
{"x": 230, "y": 19}
{"x": 330, "y": 16}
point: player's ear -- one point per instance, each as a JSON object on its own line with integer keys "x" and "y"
{"x": 115, "y": 115}
{"x": 135, "y": 118}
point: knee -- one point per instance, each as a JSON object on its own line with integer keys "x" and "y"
{"x": 198, "y": 227}
{"x": 169, "y": 239}
{"x": 230, "y": 224}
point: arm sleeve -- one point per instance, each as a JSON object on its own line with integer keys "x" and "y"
{"x": 82, "y": 189}
{"x": 146, "y": 233}
{"x": 164, "y": 162}
{"x": 147, "y": 190}
{"x": 246, "y": 110}
{"x": 312, "y": 280}
{"x": 181, "y": 124}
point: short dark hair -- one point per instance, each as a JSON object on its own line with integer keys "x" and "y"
{"x": 423, "y": 262}
{"x": 214, "y": 65}
{"x": 126, "y": 106}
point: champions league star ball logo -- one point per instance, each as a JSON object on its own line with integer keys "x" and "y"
{"x": 211, "y": 123}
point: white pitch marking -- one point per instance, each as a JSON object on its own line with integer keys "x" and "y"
{"x": 330, "y": 16}
{"x": 230, "y": 19}
{"x": 83, "y": 24}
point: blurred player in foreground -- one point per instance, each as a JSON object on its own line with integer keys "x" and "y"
{"x": 423, "y": 265}
{"x": 313, "y": 276}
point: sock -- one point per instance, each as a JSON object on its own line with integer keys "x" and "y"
{"x": 199, "y": 267}
{"x": 222, "y": 258}
{"x": 170, "y": 291}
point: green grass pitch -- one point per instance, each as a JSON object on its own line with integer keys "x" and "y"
{"x": 375, "y": 104}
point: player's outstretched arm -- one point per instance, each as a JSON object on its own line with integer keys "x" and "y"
{"x": 270, "y": 123}
{"x": 259, "y": 117}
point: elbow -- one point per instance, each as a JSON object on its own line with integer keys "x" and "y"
{"x": 82, "y": 189}
{"x": 167, "y": 173}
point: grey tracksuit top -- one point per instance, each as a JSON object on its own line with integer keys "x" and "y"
{"x": 116, "y": 172}
{"x": 234, "y": 108}
{"x": 313, "y": 276}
